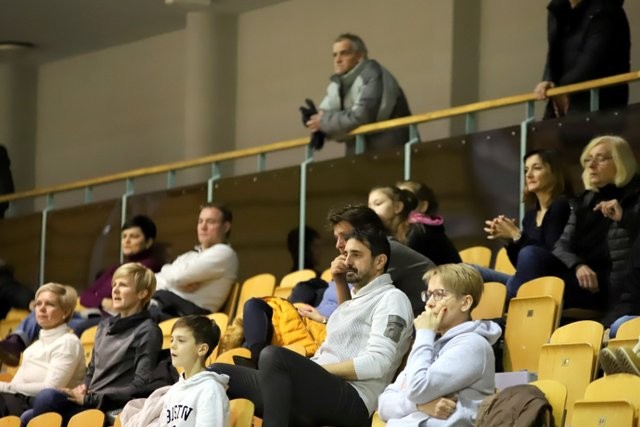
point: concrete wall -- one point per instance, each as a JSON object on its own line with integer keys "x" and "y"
{"x": 124, "y": 107}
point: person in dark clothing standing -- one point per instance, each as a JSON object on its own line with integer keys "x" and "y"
{"x": 587, "y": 39}
{"x": 6, "y": 180}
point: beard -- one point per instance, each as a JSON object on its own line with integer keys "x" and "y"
{"x": 353, "y": 277}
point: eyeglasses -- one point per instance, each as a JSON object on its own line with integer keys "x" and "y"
{"x": 437, "y": 295}
{"x": 595, "y": 160}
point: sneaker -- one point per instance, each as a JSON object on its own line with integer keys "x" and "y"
{"x": 609, "y": 361}
{"x": 244, "y": 361}
{"x": 629, "y": 361}
{"x": 10, "y": 350}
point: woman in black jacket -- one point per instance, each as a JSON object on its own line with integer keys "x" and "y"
{"x": 596, "y": 243}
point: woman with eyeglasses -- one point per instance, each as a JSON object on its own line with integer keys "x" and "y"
{"x": 596, "y": 243}
{"x": 451, "y": 366}
{"x": 546, "y": 196}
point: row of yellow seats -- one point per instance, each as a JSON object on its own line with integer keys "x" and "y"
{"x": 481, "y": 255}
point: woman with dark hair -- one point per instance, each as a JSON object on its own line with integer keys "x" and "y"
{"x": 137, "y": 240}
{"x": 423, "y": 233}
{"x": 596, "y": 244}
{"x": 529, "y": 248}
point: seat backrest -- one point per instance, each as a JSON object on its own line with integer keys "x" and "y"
{"x": 87, "y": 339}
{"x": 227, "y": 356}
{"x": 603, "y": 414}
{"x": 10, "y": 421}
{"x": 222, "y": 320}
{"x": 491, "y": 305}
{"x": 571, "y": 364}
{"x": 629, "y": 329}
{"x": 231, "y": 303}
{"x": 326, "y": 275}
{"x": 503, "y": 263}
{"x": 615, "y": 387}
{"x": 261, "y": 285}
{"x": 546, "y": 285}
{"x": 556, "y": 394}
{"x": 48, "y": 419}
{"x": 479, "y": 255}
{"x": 87, "y": 418}
{"x": 587, "y": 331}
{"x": 530, "y": 323}
{"x": 241, "y": 412}
{"x": 292, "y": 279}
{"x": 166, "y": 326}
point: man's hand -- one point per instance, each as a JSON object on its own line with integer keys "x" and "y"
{"x": 587, "y": 278}
{"x": 189, "y": 287}
{"x": 76, "y": 394}
{"x": 314, "y": 122}
{"x": 306, "y": 310}
{"x": 339, "y": 267}
{"x": 441, "y": 407}
{"x": 429, "y": 320}
{"x": 541, "y": 90}
{"x": 610, "y": 209}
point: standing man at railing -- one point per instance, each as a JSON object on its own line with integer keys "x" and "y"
{"x": 588, "y": 39}
{"x": 361, "y": 91}
{"x": 198, "y": 281}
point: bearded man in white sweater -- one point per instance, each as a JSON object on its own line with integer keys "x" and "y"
{"x": 367, "y": 336}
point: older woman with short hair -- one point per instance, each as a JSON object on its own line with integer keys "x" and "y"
{"x": 56, "y": 359}
{"x": 596, "y": 243}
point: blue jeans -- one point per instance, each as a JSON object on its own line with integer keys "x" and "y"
{"x": 613, "y": 329}
{"x": 532, "y": 262}
{"x": 51, "y": 400}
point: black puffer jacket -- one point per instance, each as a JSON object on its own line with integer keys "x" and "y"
{"x": 602, "y": 244}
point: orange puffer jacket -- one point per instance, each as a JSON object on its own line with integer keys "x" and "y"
{"x": 291, "y": 328}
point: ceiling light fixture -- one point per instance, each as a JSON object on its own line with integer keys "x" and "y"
{"x": 14, "y": 46}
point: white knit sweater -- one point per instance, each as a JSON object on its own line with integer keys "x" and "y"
{"x": 55, "y": 360}
{"x": 374, "y": 329}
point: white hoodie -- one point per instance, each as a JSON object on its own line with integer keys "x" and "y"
{"x": 200, "y": 401}
{"x": 459, "y": 363}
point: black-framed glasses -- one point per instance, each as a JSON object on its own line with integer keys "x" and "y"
{"x": 597, "y": 159}
{"x": 437, "y": 295}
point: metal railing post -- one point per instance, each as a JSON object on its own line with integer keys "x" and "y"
{"x": 171, "y": 179}
{"x": 215, "y": 176}
{"x": 414, "y": 138}
{"x": 303, "y": 205}
{"x": 529, "y": 117}
{"x": 43, "y": 237}
{"x": 469, "y": 123}
{"x": 88, "y": 194}
{"x": 262, "y": 162}
{"x": 360, "y": 142}
{"x": 128, "y": 191}
{"x": 594, "y": 99}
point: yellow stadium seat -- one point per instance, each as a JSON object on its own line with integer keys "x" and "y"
{"x": 49, "y": 419}
{"x": 491, "y": 304}
{"x": 87, "y": 418}
{"x": 546, "y": 285}
{"x": 603, "y": 414}
{"x": 87, "y": 339}
{"x": 479, "y": 255}
{"x": 556, "y": 394}
{"x": 10, "y": 421}
{"x": 503, "y": 263}
{"x": 261, "y": 285}
{"x": 241, "y": 412}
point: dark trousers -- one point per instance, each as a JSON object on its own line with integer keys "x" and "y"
{"x": 533, "y": 262}
{"x": 14, "y": 404}
{"x": 167, "y": 305}
{"x": 290, "y": 389}
{"x": 257, "y": 326}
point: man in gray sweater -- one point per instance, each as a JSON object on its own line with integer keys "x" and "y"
{"x": 361, "y": 91}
